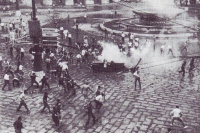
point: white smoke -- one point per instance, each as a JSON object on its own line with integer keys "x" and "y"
{"x": 111, "y": 52}
{"x": 166, "y": 8}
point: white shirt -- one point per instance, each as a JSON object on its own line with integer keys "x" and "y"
{"x": 20, "y": 67}
{"x": 136, "y": 44}
{"x": 64, "y": 66}
{"x": 132, "y": 36}
{"x": 162, "y": 47}
{"x": 60, "y": 64}
{"x": 23, "y": 23}
{"x": 0, "y": 58}
{"x": 22, "y": 96}
{"x": 61, "y": 28}
{"x": 2, "y": 24}
{"x": 176, "y": 112}
{"x": 129, "y": 44}
{"x": 78, "y": 56}
{"x": 83, "y": 52}
{"x": 65, "y": 31}
{"x": 22, "y": 50}
{"x": 51, "y": 55}
{"x": 6, "y": 77}
{"x": 99, "y": 98}
{"x": 123, "y": 35}
{"x": 70, "y": 36}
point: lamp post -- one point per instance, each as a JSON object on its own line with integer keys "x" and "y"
{"x": 35, "y": 34}
{"x": 18, "y": 12}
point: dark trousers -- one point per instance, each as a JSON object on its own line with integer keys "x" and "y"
{"x": 46, "y": 105}
{"x": 137, "y": 79}
{"x": 6, "y": 82}
{"x": 1, "y": 66}
{"x": 47, "y": 67}
{"x": 22, "y": 103}
{"x": 178, "y": 119}
{"x": 170, "y": 51}
{"x": 89, "y": 117}
{"x": 11, "y": 72}
{"x": 56, "y": 120}
{"x": 18, "y": 131}
{"x": 98, "y": 104}
{"x": 32, "y": 82}
{"x": 161, "y": 51}
{"x": 191, "y": 68}
{"x": 22, "y": 55}
{"x": 16, "y": 82}
{"x": 182, "y": 71}
{"x": 45, "y": 83}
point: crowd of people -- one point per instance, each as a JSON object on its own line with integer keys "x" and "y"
{"x": 57, "y": 62}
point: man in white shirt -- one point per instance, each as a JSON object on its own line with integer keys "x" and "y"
{"x": 98, "y": 100}
{"x": 176, "y": 115}
{"x": 78, "y": 57}
{"x": 22, "y": 102}
{"x": 70, "y": 38}
{"x": 22, "y": 52}
{"x": 2, "y": 26}
{"x": 6, "y": 81}
{"x": 162, "y": 49}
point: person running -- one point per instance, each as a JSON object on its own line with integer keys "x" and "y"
{"x": 33, "y": 80}
{"x": 55, "y": 117}
{"x": 6, "y": 81}
{"x": 18, "y": 125}
{"x": 90, "y": 114}
{"x": 191, "y": 65}
{"x": 46, "y": 105}
{"x": 85, "y": 90}
{"x": 22, "y": 102}
{"x": 170, "y": 50}
{"x": 44, "y": 82}
{"x": 183, "y": 68}
{"x": 176, "y": 115}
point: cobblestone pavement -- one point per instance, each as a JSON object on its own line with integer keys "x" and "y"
{"x": 124, "y": 110}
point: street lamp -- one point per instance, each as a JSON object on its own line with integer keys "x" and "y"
{"x": 35, "y": 33}
{"x": 18, "y": 12}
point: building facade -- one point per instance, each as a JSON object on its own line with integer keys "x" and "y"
{"x": 74, "y": 2}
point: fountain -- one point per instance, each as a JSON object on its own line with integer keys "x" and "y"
{"x": 150, "y": 20}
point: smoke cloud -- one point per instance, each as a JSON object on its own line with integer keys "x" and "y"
{"x": 111, "y": 52}
{"x": 166, "y": 8}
